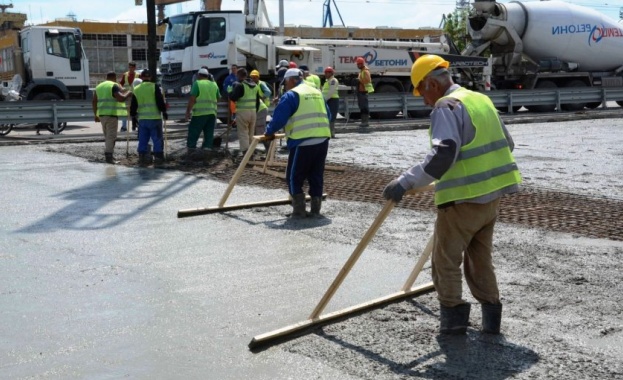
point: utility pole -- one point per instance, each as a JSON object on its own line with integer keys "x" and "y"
{"x": 152, "y": 45}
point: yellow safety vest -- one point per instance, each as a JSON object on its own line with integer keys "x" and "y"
{"x": 126, "y": 80}
{"x": 248, "y": 100}
{"x": 310, "y": 119}
{"x": 206, "y": 102}
{"x": 325, "y": 88}
{"x": 107, "y": 105}
{"x": 486, "y": 163}
{"x": 265, "y": 101}
{"x": 368, "y": 86}
{"x": 145, "y": 94}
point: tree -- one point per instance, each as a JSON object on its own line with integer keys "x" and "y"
{"x": 456, "y": 27}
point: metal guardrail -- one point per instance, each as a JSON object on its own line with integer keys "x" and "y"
{"x": 49, "y": 112}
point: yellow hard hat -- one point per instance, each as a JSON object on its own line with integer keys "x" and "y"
{"x": 423, "y": 66}
{"x": 255, "y": 73}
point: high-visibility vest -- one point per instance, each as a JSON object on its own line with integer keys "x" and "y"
{"x": 368, "y": 86}
{"x": 264, "y": 99}
{"x": 316, "y": 79}
{"x": 126, "y": 80}
{"x": 206, "y": 102}
{"x": 310, "y": 119}
{"x": 145, "y": 94}
{"x": 486, "y": 163}
{"x": 107, "y": 105}
{"x": 248, "y": 100}
{"x": 325, "y": 88}
{"x": 310, "y": 81}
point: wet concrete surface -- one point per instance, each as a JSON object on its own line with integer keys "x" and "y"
{"x": 99, "y": 279}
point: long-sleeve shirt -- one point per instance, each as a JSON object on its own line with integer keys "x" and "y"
{"x": 160, "y": 103}
{"x": 287, "y": 106}
{"x": 333, "y": 87}
{"x": 451, "y": 128}
{"x": 238, "y": 92}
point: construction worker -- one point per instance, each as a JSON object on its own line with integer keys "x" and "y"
{"x": 108, "y": 106}
{"x": 149, "y": 108}
{"x": 305, "y": 117}
{"x": 247, "y": 97}
{"x": 331, "y": 96}
{"x": 202, "y": 104}
{"x": 311, "y": 79}
{"x": 262, "y": 112}
{"x": 126, "y": 82}
{"x": 210, "y": 76}
{"x": 228, "y": 86}
{"x": 472, "y": 166}
{"x": 364, "y": 87}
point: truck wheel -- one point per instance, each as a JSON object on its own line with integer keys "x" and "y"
{"x": 419, "y": 114}
{"x": 547, "y": 107}
{"x": 5, "y": 129}
{"x": 385, "y": 89}
{"x": 574, "y": 106}
{"x": 46, "y": 96}
{"x": 593, "y": 105}
{"x": 61, "y": 127}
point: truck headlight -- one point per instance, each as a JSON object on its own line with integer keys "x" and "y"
{"x": 185, "y": 90}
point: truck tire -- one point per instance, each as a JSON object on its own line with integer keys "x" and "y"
{"x": 547, "y": 107}
{"x": 385, "y": 89}
{"x": 46, "y": 96}
{"x": 5, "y": 129}
{"x": 419, "y": 114}
{"x": 576, "y": 83}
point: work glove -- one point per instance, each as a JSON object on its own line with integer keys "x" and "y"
{"x": 394, "y": 191}
{"x": 269, "y": 137}
{"x": 165, "y": 116}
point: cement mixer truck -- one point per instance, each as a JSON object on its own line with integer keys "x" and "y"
{"x": 545, "y": 45}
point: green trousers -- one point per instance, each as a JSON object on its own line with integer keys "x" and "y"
{"x": 197, "y": 125}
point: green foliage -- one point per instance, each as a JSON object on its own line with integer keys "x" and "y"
{"x": 456, "y": 27}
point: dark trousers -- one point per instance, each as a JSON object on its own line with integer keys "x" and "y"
{"x": 307, "y": 163}
{"x": 199, "y": 124}
{"x": 150, "y": 129}
{"x": 362, "y": 102}
{"x": 334, "y": 105}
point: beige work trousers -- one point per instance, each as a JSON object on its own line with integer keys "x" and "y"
{"x": 245, "y": 125}
{"x": 109, "y": 127}
{"x": 464, "y": 235}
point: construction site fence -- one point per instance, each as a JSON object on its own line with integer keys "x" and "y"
{"x": 402, "y": 104}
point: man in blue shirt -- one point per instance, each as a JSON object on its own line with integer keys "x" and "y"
{"x": 304, "y": 115}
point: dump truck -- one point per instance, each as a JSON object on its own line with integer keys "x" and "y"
{"x": 547, "y": 45}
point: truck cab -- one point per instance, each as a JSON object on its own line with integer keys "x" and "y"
{"x": 195, "y": 39}
{"x": 54, "y": 64}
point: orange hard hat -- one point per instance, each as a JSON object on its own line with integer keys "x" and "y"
{"x": 329, "y": 69}
{"x": 360, "y": 61}
{"x": 293, "y": 65}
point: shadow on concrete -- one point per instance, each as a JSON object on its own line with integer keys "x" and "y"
{"x": 87, "y": 210}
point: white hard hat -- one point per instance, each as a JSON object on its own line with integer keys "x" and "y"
{"x": 283, "y": 63}
{"x": 293, "y": 73}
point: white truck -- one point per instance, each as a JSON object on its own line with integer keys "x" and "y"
{"x": 50, "y": 63}
{"x": 219, "y": 39}
{"x": 546, "y": 45}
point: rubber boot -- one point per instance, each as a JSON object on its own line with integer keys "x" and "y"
{"x": 110, "y": 159}
{"x": 491, "y": 318}
{"x": 158, "y": 159}
{"x": 189, "y": 154}
{"x": 142, "y": 160}
{"x": 454, "y": 320}
{"x": 332, "y": 127}
{"x": 316, "y": 204}
{"x": 298, "y": 206}
{"x": 365, "y": 118}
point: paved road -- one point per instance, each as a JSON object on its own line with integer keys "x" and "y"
{"x": 99, "y": 279}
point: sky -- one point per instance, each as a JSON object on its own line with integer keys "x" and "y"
{"x": 361, "y": 13}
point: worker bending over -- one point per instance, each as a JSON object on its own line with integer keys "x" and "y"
{"x": 305, "y": 117}
{"x": 149, "y": 107}
{"x": 472, "y": 166}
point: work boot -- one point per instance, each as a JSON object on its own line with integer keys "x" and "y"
{"x": 491, "y": 318}
{"x": 316, "y": 204}
{"x": 332, "y": 127}
{"x": 158, "y": 159}
{"x": 365, "y": 118}
{"x": 298, "y": 206}
{"x": 144, "y": 159}
{"x": 110, "y": 159}
{"x": 454, "y": 320}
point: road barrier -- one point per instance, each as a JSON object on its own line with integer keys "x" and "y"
{"x": 386, "y": 104}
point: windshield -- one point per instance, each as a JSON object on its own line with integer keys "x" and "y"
{"x": 62, "y": 45}
{"x": 179, "y": 32}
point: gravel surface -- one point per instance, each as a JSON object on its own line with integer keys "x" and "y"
{"x": 562, "y": 293}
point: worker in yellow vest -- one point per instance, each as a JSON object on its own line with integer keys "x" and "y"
{"x": 149, "y": 108}
{"x": 247, "y": 98}
{"x": 202, "y": 104}
{"x": 331, "y": 96}
{"x": 127, "y": 79}
{"x": 472, "y": 166}
{"x": 364, "y": 87}
{"x": 108, "y": 106}
{"x": 304, "y": 114}
{"x": 311, "y": 79}
{"x": 262, "y": 112}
